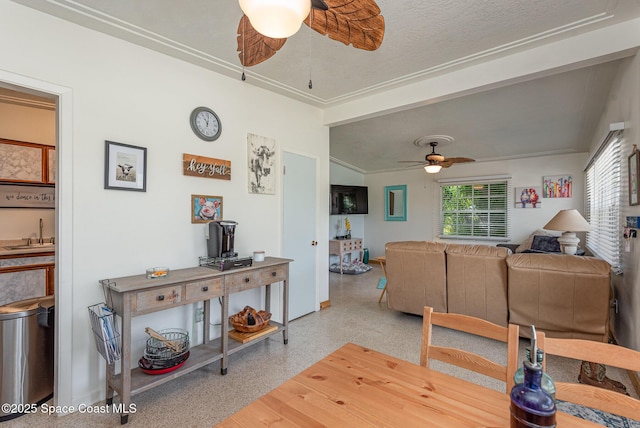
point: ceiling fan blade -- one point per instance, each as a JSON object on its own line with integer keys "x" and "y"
{"x": 257, "y": 47}
{"x": 435, "y": 157}
{"x": 459, "y": 160}
{"x": 355, "y": 22}
{"x": 319, "y": 4}
{"x": 416, "y": 162}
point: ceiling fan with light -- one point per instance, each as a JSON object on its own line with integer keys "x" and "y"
{"x": 433, "y": 162}
{"x": 266, "y": 24}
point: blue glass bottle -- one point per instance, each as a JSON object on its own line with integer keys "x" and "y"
{"x": 546, "y": 383}
{"x": 531, "y": 406}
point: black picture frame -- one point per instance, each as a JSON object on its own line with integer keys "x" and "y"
{"x": 125, "y": 167}
{"x": 634, "y": 174}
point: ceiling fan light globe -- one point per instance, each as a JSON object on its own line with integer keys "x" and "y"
{"x": 277, "y": 19}
{"x": 432, "y": 169}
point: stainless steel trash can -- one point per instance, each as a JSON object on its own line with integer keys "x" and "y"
{"x": 26, "y": 350}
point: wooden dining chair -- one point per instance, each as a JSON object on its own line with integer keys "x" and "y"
{"x": 596, "y": 352}
{"x": 467, "y": 359}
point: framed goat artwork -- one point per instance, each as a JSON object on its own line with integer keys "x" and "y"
{"x": 205, "y": 208}
{"x": 125, "y": 167}
{"x": 634, "y": 165}
{"x": 262, "y": 164}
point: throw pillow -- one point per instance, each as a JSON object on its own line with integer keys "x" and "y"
{"x": 526, "y": 245}
{"x": 548, "y": 244}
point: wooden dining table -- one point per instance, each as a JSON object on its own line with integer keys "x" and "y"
{"x": 360, "y": 387}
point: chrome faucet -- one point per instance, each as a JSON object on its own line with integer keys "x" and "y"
{"x": 40, "y": 239}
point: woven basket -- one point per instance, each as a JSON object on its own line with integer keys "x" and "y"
{"x": 241, "y": 320}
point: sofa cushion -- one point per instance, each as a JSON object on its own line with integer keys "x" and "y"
{"x": 562, "y": 295}
{"x": 477, "y": 281}
{"x": 548, "y": 244}
{"x": 416, "y": 276}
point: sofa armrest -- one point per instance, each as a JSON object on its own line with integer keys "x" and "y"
{"x": 562, "y": 295}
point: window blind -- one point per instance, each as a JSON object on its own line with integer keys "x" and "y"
{"x": 602, "y": 200}
{"x": 478, "y": 210}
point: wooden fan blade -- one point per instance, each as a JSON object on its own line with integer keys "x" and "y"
{"x": 459, "y": 160}
{"x": 355, "y": 22}
{"x": 416, "y": 162}
{"x": 257, "y": 47}
{"x": 319, "y": 4}
{"x": 435, "y": 157}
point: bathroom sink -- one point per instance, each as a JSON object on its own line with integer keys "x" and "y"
{"x": 46, "y": 246}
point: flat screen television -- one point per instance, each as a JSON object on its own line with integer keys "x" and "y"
{"x": 349, "y": 199}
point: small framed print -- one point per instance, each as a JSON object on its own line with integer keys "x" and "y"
{"x": 557, "y": 186}
{"x": 125, "y": 167}
{"x": 634, "y": 191}
{"x": 528, "y": 197}
{"x": 205, "y": 209}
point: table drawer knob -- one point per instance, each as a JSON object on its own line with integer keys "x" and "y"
{"x": 273, "y": 273}
{"x": 247, "y": 280}
{"x": 205, "y": 288}
{"x": 161, "y": 297}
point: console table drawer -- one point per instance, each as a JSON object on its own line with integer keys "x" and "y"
{"x": 273, "y": 274}
{"x": 351, "y": 245}
{"x": 242, "y": 281}
{"x": 209, "y": 288}
{"x": 159, "y": 298}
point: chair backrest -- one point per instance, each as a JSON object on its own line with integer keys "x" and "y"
{"x": 595, "y": 352}
{"x": 466, "y": 359}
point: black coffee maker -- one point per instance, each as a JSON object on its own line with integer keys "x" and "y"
{"x": 220, "y": 242}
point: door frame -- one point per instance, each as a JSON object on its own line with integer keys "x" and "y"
{"x": 62, "y": 382}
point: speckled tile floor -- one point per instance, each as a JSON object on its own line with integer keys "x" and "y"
{"x": 204, "y": 397}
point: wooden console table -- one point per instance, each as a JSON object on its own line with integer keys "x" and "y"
{"x": 136, "y": 295}
{"x": 341, "y": 247}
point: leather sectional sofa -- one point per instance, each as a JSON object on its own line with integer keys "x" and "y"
{"x": 562, "y": 295}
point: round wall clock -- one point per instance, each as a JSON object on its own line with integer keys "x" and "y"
{"x": 205, "y": 123}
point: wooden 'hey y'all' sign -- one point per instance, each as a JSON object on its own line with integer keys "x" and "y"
{"x": 200, "y": 166}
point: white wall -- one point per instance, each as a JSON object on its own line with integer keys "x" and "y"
{"x": 423, "y": 197}
{"x": 28, "y": 123}
{"x": 128, "y": 94}
{"x": 623, "y": 105}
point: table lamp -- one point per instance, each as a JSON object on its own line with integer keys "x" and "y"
{"x": 568, "y": 221}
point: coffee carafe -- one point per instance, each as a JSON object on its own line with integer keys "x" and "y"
{"x": 220, "y": 241}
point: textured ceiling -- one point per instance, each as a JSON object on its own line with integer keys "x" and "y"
{"x": 423, "y": 39}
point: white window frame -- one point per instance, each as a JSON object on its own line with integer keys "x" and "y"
{"x": 603, "y": 185}
{"x": 478, "y": 181}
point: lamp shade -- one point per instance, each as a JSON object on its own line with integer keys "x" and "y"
{"x": 432, "y": 169}
{"x": 277, "y": 19}
{"x": 568, "y": 220}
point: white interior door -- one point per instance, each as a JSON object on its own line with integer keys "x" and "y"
{"x": 300, "y": 232}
